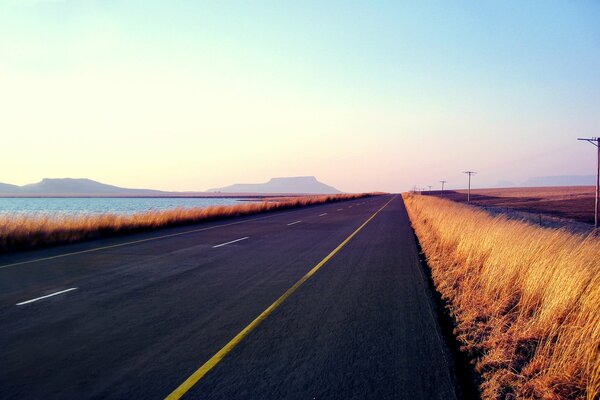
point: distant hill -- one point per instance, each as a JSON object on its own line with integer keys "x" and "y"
{"x": 70, "y": 186}
{"x": 295, "y": 185}
{"x": 8, "y": 188}
{"x": 87, "y": 187}
{"x": 567, "y": 180}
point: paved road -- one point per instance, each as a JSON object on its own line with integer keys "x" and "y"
{"x": 135, "y": 320}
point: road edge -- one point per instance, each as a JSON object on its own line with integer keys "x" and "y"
{"x": 467, "y": 378}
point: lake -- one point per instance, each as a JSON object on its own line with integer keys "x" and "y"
{"x": 102, "y": 205}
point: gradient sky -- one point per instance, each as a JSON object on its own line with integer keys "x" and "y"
{"x": 365, "y": 95}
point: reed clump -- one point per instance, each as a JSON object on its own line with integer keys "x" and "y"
{"x": 28, "y": 232}
{"x": 526, "y": 300}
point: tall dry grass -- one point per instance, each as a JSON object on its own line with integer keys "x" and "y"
{"x": 28, "y": 232}
{"x": 526, "y": 299}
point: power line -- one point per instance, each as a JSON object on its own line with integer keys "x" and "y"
{"x": 442, "y": 182}
{"x": 596, "y": 142}
{"x": 469, "y": 191}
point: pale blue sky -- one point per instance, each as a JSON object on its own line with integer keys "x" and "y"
{"x": 364, "y": 95}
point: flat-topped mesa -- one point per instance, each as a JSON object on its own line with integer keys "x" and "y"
{"x": 292, "y": 185}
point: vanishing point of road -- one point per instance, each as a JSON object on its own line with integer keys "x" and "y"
{"x": 322, "y": 302}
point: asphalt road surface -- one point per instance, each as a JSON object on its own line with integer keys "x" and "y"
{"x": 171, "y": 312}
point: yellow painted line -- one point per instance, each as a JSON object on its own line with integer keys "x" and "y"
{"x": 214, "y": 360}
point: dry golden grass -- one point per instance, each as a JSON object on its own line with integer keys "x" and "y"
{"x": 27, "y": 232}
{"x": 526, "y": 299}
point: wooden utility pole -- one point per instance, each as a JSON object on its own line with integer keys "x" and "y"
{"x": 469, "y": 191}
{"x": 442, "y": 182}
{"x": 596, "y": 142}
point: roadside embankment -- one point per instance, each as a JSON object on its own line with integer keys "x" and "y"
{"x": 525, "y": 299}
{"x": 28, "y": 232}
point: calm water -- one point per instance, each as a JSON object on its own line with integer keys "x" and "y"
{"x": 74, "y": 206}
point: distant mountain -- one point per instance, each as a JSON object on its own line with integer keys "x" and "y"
{"x": 297, "y": 184}
{"x": 69, "y": 186}
{"x": 567, "y": 180}
{"x": 88, "y": 187}
{"x": 8, "y": 188}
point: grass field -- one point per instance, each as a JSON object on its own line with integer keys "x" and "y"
{"x": 525, "y": 299}
{"x": 28, "y": 232}
{"x": 573, "y": 202}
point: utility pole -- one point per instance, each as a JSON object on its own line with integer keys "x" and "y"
{"x": 442, "y": 182}
{"x": 596, "y": 142}
{"x": 469, "y": 191}
{"x": 429, "y": 189}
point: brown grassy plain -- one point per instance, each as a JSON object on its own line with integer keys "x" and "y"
{"x": 525, "y": 299}
{"x": 28, "y": 232}
{"x": 573, "y": 202}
